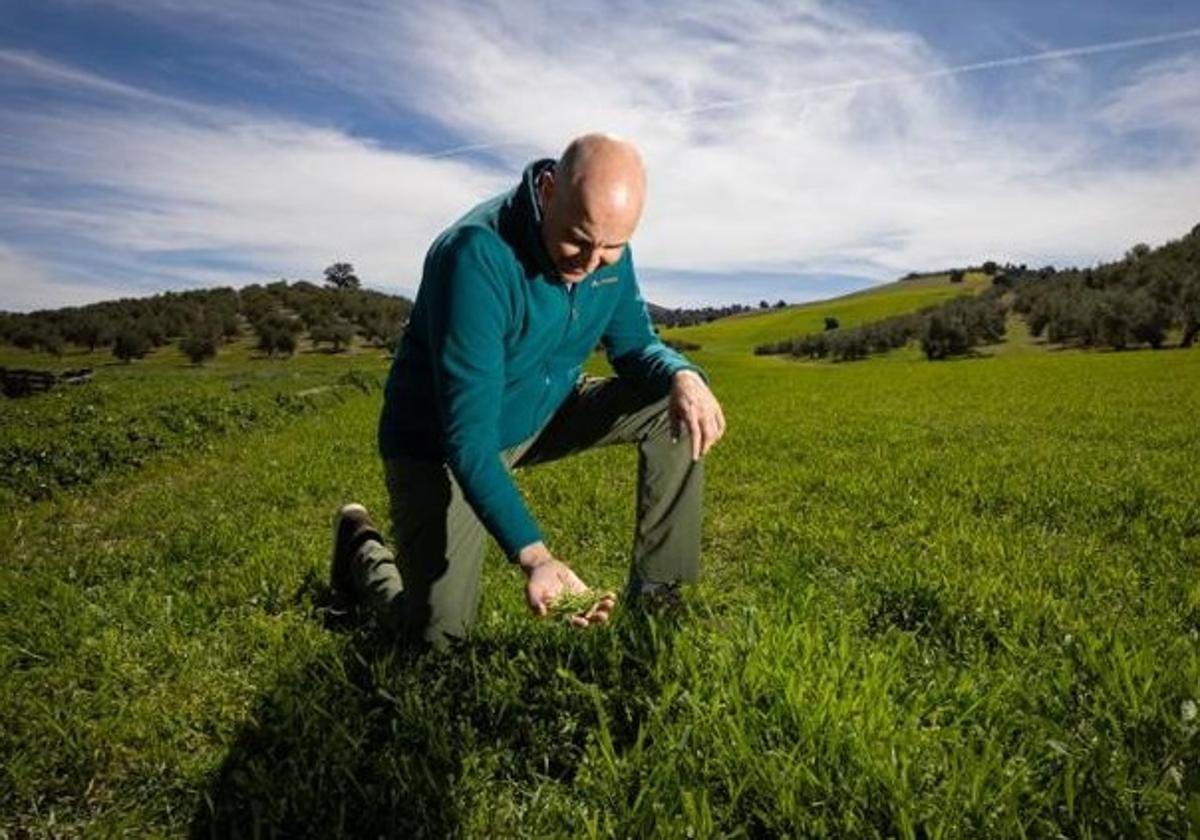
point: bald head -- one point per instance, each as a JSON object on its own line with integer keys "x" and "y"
{"x": 591, "y": 204}
{"x": 604, "y": 170}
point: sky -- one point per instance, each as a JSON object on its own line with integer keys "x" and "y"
{"x": 795, "y": 150}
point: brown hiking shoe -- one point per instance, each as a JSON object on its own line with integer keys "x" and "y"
{"x": 351, "y": 528}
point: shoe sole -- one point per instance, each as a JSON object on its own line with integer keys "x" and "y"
{"x": 352, "y": 507}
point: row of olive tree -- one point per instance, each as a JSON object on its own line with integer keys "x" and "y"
{"x": 1136, "y": 301}
{"x": 661, "y": 316}
{"x": 154, "y": 321}
{"x": 951, "y": 329}
{"x": 199, "y": 321}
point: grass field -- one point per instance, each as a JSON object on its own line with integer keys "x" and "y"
{"x": 130, "y": 413}
{"x": 953, "y": 599}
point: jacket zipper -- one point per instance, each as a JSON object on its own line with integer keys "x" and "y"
{"x": 572, "y": 314}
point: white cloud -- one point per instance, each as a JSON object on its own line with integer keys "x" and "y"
{"x": 27, "y": 284}
{"x": 836, "y": 145}
{"x": 885, "y": 175}
{"x": 1165, "y": 94}
{"x": 282, "y": 197}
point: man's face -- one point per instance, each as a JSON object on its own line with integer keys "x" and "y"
{"x": 585, "y": 228}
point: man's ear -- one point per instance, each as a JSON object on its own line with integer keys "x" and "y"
{"x": 545, "y": 188}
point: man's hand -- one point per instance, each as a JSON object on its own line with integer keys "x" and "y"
{"x": 694, "y": 407}
{"x": 548, "y": 578}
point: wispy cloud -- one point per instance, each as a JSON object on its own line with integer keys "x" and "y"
{"x": 1163, "y": 95}
{"x": 282, "y": 199}
{"x": 26, "y": 283}
{"x": 783, "y": 142}
{"x": 1045, "y": 56}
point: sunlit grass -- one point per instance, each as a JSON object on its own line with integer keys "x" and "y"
{"x": 938, "y": 599}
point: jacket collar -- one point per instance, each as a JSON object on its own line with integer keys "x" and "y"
{"x": 521, "y": 222}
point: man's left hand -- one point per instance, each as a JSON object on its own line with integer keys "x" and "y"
{"x": 693, "y": 407}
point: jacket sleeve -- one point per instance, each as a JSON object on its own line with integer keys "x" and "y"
{"x": 633, "y": 349}
{"x": 470, "y": 312}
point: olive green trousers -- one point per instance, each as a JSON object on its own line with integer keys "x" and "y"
{"x": 430, "y": 591}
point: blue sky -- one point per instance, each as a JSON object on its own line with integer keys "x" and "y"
{"x": 795, "y": 150}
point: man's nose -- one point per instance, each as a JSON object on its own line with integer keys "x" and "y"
{"x": 593, "y": 259}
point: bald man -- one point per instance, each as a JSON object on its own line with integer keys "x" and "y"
{"x": 488, "y": 378}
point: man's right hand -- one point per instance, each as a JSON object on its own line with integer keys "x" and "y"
{"x": 547, "y": 578}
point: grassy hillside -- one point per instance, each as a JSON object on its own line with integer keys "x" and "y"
{"x": 742, "y": 333}
{"x": 939, "y": 599}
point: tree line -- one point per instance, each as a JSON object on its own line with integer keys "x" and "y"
{"x": 661, "y": 316}
{"x": 1136, "y": 301}
{"x": 200, "y": 321}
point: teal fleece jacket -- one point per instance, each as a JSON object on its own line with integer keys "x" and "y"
{"x": 495, "y": 344}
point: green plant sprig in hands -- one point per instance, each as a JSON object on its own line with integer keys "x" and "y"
{"x": 569, "y": 605}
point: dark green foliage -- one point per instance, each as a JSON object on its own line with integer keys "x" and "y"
{"x": 199, "y": 347}
{"x": 277, "y": 334}
{"x": 1137, "y": 252}
{"x": 683, "y": 317}
{"x": 315, "y": 312}
{"x": 50, "y": 340}
{"x": 130, "y": 343}
{"x": 91, "y": 330}
{"x": 383, "y": 325}
{"x": 230, "y": 327}
{"x": 335, "y": 332}
{"x": 286, "y": 343}
{"x": 681, "y": 345}
{"x": 173, "y": 315}
{"x": 341, "y": 275}
{"x": 154, "y": 330}
{"x": 1134, "y": 302}
{"x": 945, "y": 336}
{"x": 257, "y": 303}
{"x": 25, "y": 336}
{"x": 831, "y": 323}
{"x": 957, "y": 275}
{"x": 849, "y": 346}
{"x": 37, "y": 334}
{"x": 1111, "y": 319}
{"x": 1188, "y": 307}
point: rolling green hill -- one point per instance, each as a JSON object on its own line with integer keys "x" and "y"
{"x": 741, "y": 333}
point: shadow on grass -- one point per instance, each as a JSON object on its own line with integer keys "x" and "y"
{"x": 382, "y": 739}
{"x": 323, "y": 351}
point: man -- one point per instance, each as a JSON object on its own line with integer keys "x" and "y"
{"x": 488, "y": 378}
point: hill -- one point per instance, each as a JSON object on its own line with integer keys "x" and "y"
{"x": 330, "y": 314}
{"x": 742, "y": 333}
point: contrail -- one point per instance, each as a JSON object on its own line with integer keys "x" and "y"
{"x": 1013, "y": 61}
{"x": 854, "y": 84}
{"x": 454, "y": 151}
